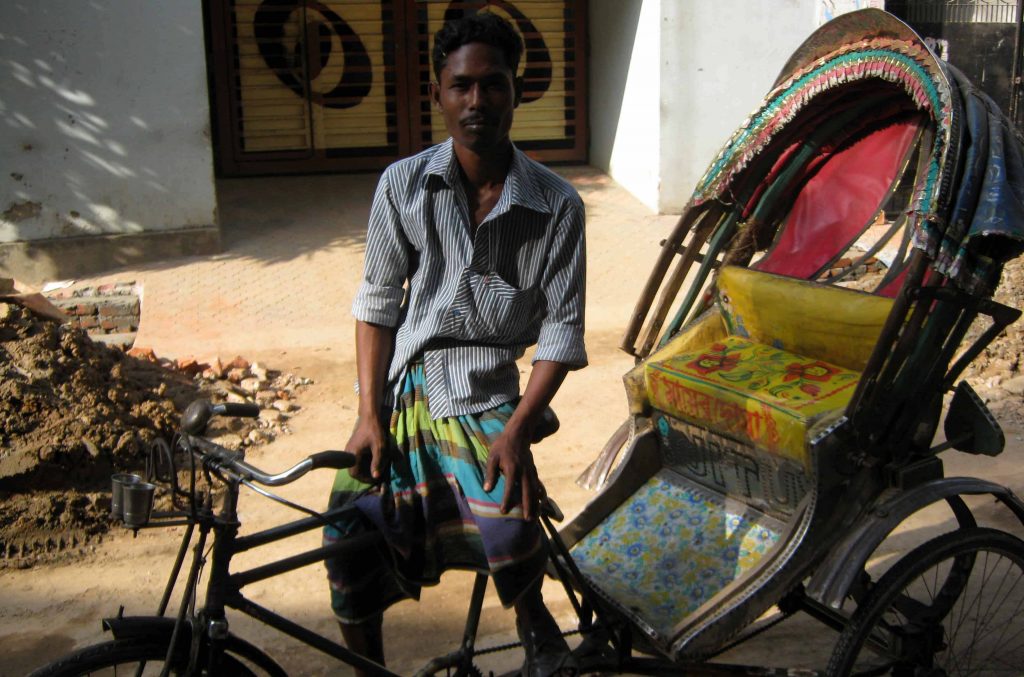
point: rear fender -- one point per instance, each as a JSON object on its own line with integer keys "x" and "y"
{"x": 130, "y": 627}
{"x": 161, "y": 627}
{"x": 839, "y": 572}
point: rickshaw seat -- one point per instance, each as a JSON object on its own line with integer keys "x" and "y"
{"x": 777, "y": 357}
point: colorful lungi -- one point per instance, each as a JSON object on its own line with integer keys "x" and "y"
{"x": 433, "y": 512}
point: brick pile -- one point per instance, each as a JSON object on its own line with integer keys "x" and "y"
{"x": 239, "y": 380}
{"x": 109, "y": 313}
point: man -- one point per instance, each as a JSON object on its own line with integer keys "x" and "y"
{"x": 474, "y": 253}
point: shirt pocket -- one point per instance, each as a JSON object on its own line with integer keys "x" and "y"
{"x": 491, "y": 308}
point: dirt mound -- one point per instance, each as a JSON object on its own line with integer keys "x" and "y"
{"x": 998, "y": 373}
{"x": 73, "y": 411}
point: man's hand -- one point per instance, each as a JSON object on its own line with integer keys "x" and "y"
{"x": 511, "y": 456}
{"x": 369, "y": 445}
{"x": 369, "y": 441}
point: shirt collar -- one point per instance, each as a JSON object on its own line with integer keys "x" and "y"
{"x": 520, "y": 185}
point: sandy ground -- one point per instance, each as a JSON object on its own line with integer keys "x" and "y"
{"x": 50, "y": 609}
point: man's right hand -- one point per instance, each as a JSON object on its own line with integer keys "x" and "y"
{"x": 369, "y": 441}
{"x": 369, "y": 445}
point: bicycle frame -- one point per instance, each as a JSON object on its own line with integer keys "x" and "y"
{"x": 208, "y": 624}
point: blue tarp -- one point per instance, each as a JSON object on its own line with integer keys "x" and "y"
{"x": 986, "y": 222}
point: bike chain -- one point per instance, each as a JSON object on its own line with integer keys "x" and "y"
{"x": 513, "y": 645}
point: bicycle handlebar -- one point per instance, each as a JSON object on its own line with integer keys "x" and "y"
{"x": 233, "y": 462}
{"x": 198, "y": 414}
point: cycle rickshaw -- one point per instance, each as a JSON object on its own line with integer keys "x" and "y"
{"x": 797, "y": 344}
{"x": 840, "y": 254}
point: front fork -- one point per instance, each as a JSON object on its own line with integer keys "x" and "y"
{"x": 209, "y": 630}
{"x": 212, "y": 627}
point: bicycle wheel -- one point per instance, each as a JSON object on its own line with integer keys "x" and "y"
{"x": 953, "y": 606}
{"x": 126, "y": 657}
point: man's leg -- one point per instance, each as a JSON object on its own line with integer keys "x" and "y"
{"x": 366, "y": 639}
{"x": 547, "y": 652}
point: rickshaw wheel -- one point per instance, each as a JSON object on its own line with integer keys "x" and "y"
{"x": 953, "y": 606}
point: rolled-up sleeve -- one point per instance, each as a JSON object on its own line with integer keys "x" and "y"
{"x": 564, "y": 289}
{"x": 386, "y": 264}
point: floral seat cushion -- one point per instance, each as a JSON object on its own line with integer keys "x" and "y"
{"x": 673, "y": 546}
{"x": 751, "y": 392}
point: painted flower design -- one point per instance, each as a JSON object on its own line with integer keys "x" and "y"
{"x": 718, "y": 360}
{"x": 811, "y": 371}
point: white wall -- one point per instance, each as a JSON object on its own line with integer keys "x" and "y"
{"x": 719, "y": 60}
{"x": 104, "y": 118}
{"x": 625, "y": 90}
{"x": 693, "y": 73}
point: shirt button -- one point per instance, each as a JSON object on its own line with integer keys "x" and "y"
{"x": 456, "y": 312}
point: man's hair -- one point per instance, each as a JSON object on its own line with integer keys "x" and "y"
{"x": 484, "y": 27}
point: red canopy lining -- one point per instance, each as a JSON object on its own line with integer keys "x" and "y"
{"x": 838, "y": 201}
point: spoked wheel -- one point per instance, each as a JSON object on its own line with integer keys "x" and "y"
{"x": 127, "y": 657}
{"x": 953, "y": 606}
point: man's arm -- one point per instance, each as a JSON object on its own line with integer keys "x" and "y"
{"x": 374, "y": 344}
{"x": 510, "y": 454}
{"x": 559, "y": 348}
{"x": 376, "y": 309}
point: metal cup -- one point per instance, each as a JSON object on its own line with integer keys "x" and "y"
{"x": 118, "y": 481}
{"x": 138, "y": 503}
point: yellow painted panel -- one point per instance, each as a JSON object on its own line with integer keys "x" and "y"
{"x": 263, "y": 91}
{"x": 751, "y": 392}
{"x": 830, "y": 323}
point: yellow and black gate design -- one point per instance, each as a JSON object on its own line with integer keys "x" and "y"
{"x": 302, "y": 85}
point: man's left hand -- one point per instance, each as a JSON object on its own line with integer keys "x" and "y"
{"x": 511, "y": 456}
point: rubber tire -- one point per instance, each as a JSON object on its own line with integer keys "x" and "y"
{"x": 121, "y": 652}
{"x": 905, "y": 571}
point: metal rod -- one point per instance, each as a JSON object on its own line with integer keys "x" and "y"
{"x": 176, "y": 569}
{"x": 584, "y": 587}
{"x": 692, "y": 254}
{"x": 307, "y": 636}
{"x": 190, "y": 586}
{"x": 1015, "y": 74}
{"x": 280, "y": 532}
{"x": 265, "y": 571}
{"x": 665, "y": 257}
{"x": 476, "y": 603}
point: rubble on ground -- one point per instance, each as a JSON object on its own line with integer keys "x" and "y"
{"x": 998, "y": 373}
{"x": 73, "y": 411}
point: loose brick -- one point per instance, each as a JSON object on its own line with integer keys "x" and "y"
{"x": 143, "y": 353}
{"x": 119, "y": 307}
{"x": 190, "y": 366}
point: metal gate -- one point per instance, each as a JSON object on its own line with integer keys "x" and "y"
{"x": 980, "y": 37}
{"x": 342, "y": 85}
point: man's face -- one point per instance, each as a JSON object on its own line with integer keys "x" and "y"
{"x": 476, "y": 95}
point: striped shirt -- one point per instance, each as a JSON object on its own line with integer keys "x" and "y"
{"x": 471, "y": 304}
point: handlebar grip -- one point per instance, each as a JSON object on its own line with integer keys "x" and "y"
{"x": 333, "y": 459}
{"x": 241, "y": 409}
